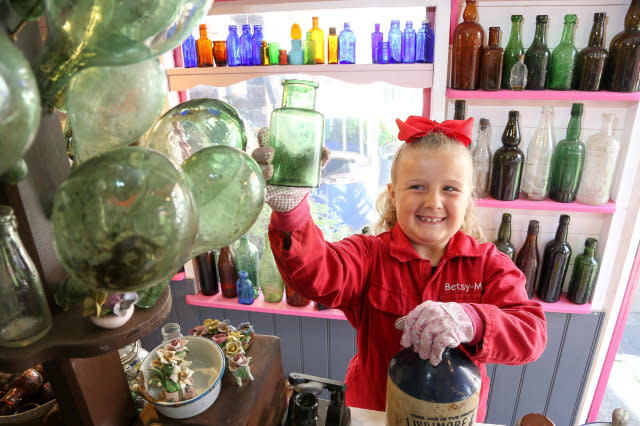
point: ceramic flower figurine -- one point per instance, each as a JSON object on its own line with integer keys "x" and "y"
{"x": 171, "y": 372}
{"x": 109, "y": 310}
{"x": 238, "y": 361}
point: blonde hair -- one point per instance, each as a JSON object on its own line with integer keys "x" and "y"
{"x": 432, "y": 141}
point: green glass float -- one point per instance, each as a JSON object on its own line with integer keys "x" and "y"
{"x": 19, "y": 105}
{"x": 84, "y": 33}
{"x": 124, "y": 220}
{"x": 229, "y": 190}
{"x": 196, "y": 124}
{"x": 29, "y": 10}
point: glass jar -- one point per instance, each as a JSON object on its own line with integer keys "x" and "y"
{"x": 170, "y": 331}
{"x": 131, "y": 357}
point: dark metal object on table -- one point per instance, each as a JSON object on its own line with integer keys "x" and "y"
{"x": 331, "y": 412}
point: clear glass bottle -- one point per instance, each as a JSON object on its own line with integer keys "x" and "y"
{"x": 395, "y": 43}
{"x": 513, "y": 49}
{"x": 376, "y": 44}
{"x": 537, "y": 57}
{"x": 409, "y": 44}
{"x": 585, "y": 269}
{"x": 506, "y": 171}
{"x": 492, "y": 57}
{"x": 204, "y": 48}
{"x": 347, "y": 45}
{"x": 332, "y": 46}
{"x": 317, "y": 35}
{"x": 271, "y": 282}
{"x": 482, "y": 159}
{"x": 246, "y": 46}
{"x": 468, "y": 39}
{"x": 528, "y": 259}
{"x": 621, "y": 69}
{"x": 256, "y": 43}
{"x": 189, "y": 55}
{"x": 591, "y": 59}
{"x": 503, "y": 243}
{"x": 600, "y": 159}
{"x": 247, "y": 259}
{"x": 297, "y": 135}
{"x": 537, "y": 167}
{"x": 245, "y": 289}
{"x": 518, "y": 78}
{"x": 563, "y": 58}
{"x": 567, "y": 161}
{"x": 24, "y": 313}
{"x": 233, "y": 47}
{"x": 555, "y": 263}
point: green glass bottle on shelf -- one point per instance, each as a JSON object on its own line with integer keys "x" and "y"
{"x": 537, "y": 57}
{"x": 508, "y": 160}
{"x": 308, "y": 50}
{"x": 621, "y": 70}
{"x": 513, "y": 49}
{"x": 591, "y": 59}
{"x": 583, "y": 278}
{"x": 247, "y": 259}
{"x": 567, "y": 161}
{"x": 563, "y": 58}
{"x": 271, "y": 282}
{"x": 503, "y": 243}
{"x": 297, "y": 135}
{"x": 555, "y": 263}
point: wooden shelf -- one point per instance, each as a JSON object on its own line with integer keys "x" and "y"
{"x": 405, "y": 75}
{"x": 73, "y": 336}
{"x": 547, "y": 205}
{"x": 545, "y": 95}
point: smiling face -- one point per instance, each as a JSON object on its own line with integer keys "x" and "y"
{"x": 431, "y": 192}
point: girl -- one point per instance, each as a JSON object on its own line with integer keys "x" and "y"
{"x": 425, "y": 271}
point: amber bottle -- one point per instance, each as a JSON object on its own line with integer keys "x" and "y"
{"x": 227, "y": 271}
{"x": 528, "y": 259}
{"x": 492, "y": 55}
{"x": 204, "y": 48}
{"x": 555, "y": 263}
{"x": 468, "y": 39}
{"x": 294, "y": 298}
{"x": 624, "y": 54}
{"x": 591, "y": 59}
{"x": 507, "y": 162}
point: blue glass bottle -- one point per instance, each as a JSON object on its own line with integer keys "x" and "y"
{"x": 296, "y": 56}
{"x": 244, "y": 287}
{"x": 409, "y": 44}
{"x": 233, "y": 47}
{"x": 385, "y": 53}
{"x": 376, "y": 45}
{"x": 246, "y": 48}
{"x": 256, "y": 42}
{"x": 347, "y": 45}
{"x": 189, "y": 57}
{"x": 421, "y": 49}
{"x": 429, "y": 43}
{"x": 395, "y": 43}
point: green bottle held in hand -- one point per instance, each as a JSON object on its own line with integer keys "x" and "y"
{"x": 563, "y": 58}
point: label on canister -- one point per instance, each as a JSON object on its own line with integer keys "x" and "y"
{"x": 404, "y": 410}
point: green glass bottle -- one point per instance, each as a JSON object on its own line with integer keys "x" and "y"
{"x": 512, "y": 50}
{"x": 591, "y": 59}
{"x": 271, "y": 282}
{"x": 503, "y": 243}
{"x": 621, "y": 69}
{"x": 567, "y": 161}
{"x": 555, "y": 263}
{"x": 563, "y": 58}
{"x": 247, "y": 259}
{"x": 537, "y": 57}
{"x": 585, "y": 269}
{"x": 297, "y": 135}
{"x": 508, "y": 160}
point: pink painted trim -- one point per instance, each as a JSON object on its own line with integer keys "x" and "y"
{"x": 618, "y": 330}
{"x": 182, "y": 96}
{"x": 548, "y": 95}
{"x": 426, "y": 102}
{"x": 178, "y": 277}
{"x": 454, "y": 19}
{"x": 177, "y": 57}
{"x": 259, "y": 305}
{"x": 565, "y": 306}
{"x": 547, "y": 205}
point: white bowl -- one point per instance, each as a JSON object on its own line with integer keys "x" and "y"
{"x": 208, "y": 364}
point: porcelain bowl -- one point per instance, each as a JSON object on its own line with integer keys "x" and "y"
{"x": 208, "y": 365}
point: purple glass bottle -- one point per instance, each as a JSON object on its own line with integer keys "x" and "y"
{"x": 233, "y": 47}
{"x": 256, "y": 42}
{"x": 189, "y": 56}
{"x": 395, "y": 43}
{"x": 376, "y": 45}
{"x": 346, "y": 46}
{"x": 246, "y": 48}
{"x": 409, "y": 44}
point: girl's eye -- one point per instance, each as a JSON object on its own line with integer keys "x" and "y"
{"x": 417, "y": 187}
{"x": 450, "y": 188}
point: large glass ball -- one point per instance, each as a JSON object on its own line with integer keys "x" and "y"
{"x": 196, "y": 124}
{"x": 124, "y": 220}
{"x": 229, "y": 190}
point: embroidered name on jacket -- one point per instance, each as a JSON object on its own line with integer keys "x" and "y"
{"x": 463, "y": 287}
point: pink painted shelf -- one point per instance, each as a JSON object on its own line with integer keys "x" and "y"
{"x": 259, "y": 305}
{"x": 547, "y": 204}
{"x": 545, "y": 95}
{"x": 564, "y": 306}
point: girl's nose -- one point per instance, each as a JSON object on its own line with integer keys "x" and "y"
{"x": 432, "y": 199}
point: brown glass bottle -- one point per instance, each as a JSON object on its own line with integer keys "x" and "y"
{"x": 624, "y": 54}
{"x": 459, "y": 109}
{"x": 492, "y": 55}
{"x": 591, "y": 59}
{"x": 294, "y": 298}
{"x": 468, "y": 39}
{"x": 503, "y": 243}
{"x": 507, "y": 162}
{"x": 206, "y": 273}
{"x": 204, "y": 48}
{"x": 528, "y": 259}
{"x": 227, "y": 271}
{"x": 555, "y": 263}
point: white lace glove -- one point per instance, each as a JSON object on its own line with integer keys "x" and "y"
{"x": 280, "y": 198}
{"x": 433, "y": 326}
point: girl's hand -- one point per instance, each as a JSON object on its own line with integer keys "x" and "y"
{"x": 433, "y": 326}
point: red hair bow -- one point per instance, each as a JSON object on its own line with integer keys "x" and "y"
{"x": 415, "y": 127}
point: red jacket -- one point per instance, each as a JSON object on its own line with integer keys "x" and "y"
{"x": 376, "y": 279}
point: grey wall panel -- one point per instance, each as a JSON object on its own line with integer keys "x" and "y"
{"x": 504, "y": 394}
{"x": 263, "y": 323}
{"x": 314, "y": 341}
{"x": 341, "y": 349}
{"x": 288, "y": 329}
{"x": 491, "y": 373}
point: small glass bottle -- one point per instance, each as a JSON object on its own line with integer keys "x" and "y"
{"x": 528, "y": 259}
{"x": 395, "y": 43}
{"x": 296, "y": 55}
{"x": 506, "y": 171}
{"x": 317, "y": 35}
{"x": 264, "y": 53}
{"x": 245, "y": 288}
{"x": 503, "y": 243}
{"x": 482, "y": 159}
{"x": 332, "y": 46}
{"x": 283, "y": 59}
{"x": 563, "y": 58}
{"x": 271, "y": 282}
{"x": 246, "y": 46}
{"x": 376, "y": 44}
{"x": 294, "y": 298}
{"x": 274, "y": 53}
{"x": 233, "y": 47}
{"x": 409, "y": 44}
{"x": 537, "y": 57}
{"x": 385, "y": 56}
{"x": 204, "y": 268}
{"x": 590, "y": 61}
{"x": 492, "y": 56}
{"x": 204, "y": 48}
{"x": 429, "y": 41}
{"x": 537, "y": 168}
{"x": 25, "y": 316}
{"x": 555, "y": 263}
{"x": 227, "y": 271}
{"x": 600, "y": 159}
{"x": 309, "y": 50}
{"x": 170, "y": 331}
{"x": 585, "y": 269}
{"x": 256, "y": 44}
{"x": 459, "y": 109}
{"x": 468, "y": 39}
{"x": 220, "y": 53}
{"x": 247, "y": 259}
{"x": 513, "y": 49}
{"x": 567, "y": 161}
{"x": 189, "y": 54}
{"x": 518, "y": 79}
{"x": 347, "y": 45}
{"x": 621, "y": 69}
